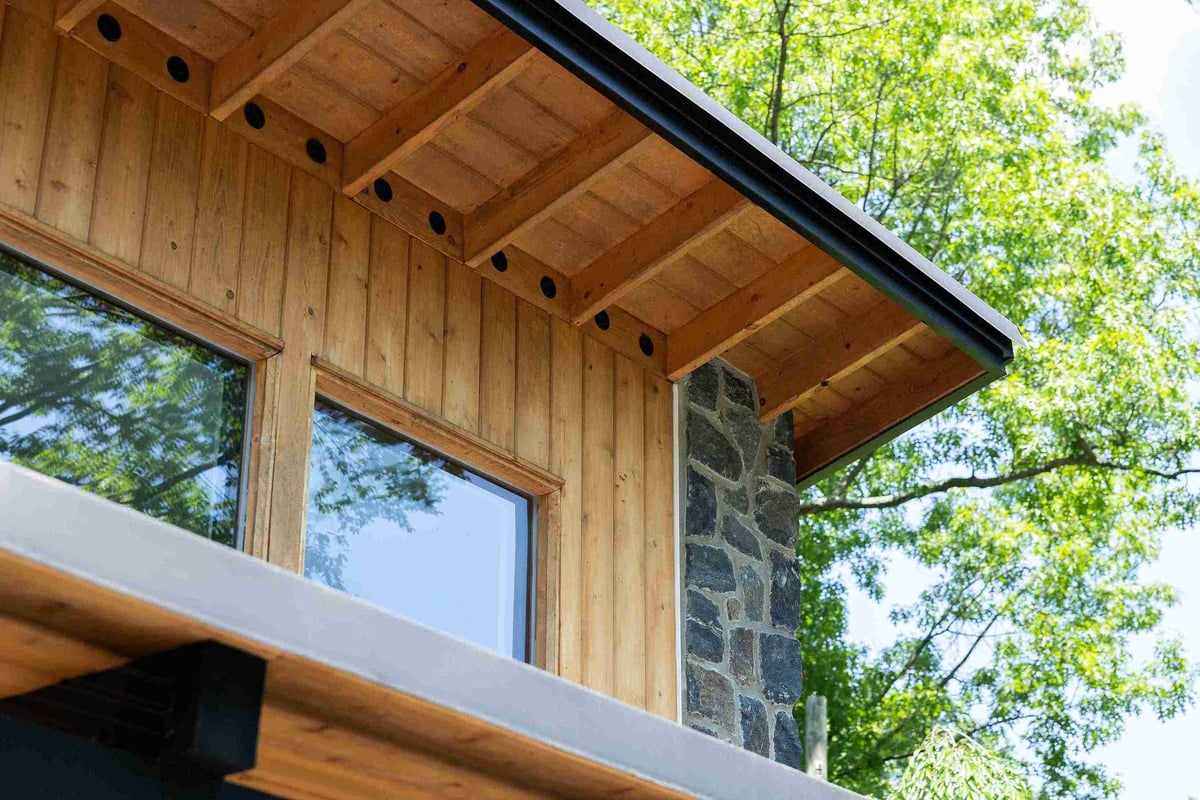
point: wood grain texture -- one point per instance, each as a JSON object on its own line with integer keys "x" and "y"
{"x": 533, "y": 383}
{"x": 297, "y": 27}
{"x": 498, "y": 367}
{"x": 566, "y": 460}
{"x": 309, "y": 221}
{"x": 459, "y": 88}
{"x": 387, "y": 306}
{"x": 145, "y": 50}
{"x": 464, "y": 308}
{"x": 883, "y": 328}
{"x": 69, "y": 13}
{"x": 68, "y": 174}
{"x": 922, "y": 385}
{"x": 122, "y": 178}
{"x": 167, "y": 240}
{"x": 660, "y": 555}
{"x": 181, "y": 210}
{"x": 739, "y": 316}
{"x": 27, "y": 56}
{"x": 425, "y": 348}
{"x": 634, "y": 261}
{"x": 220, "y": 202}
{"x": 349, "y": 261}
{"x": 629, "y": 533}
{"x": 599, "y": 604}
{"x": 533, "y": 198}
{"x": 260, "y": 284}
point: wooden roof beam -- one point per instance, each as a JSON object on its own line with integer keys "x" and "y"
{"x": 794, "y": 282}
{"x": 884, "y": 327}
{"x": 700, "y": 215}
{"x": 69, "y": 13}
{"x": 839, "y": 436}
{"x": 274, "y": 48}
{"x": 459, "y": 88}
{"x": 612, "y": 143}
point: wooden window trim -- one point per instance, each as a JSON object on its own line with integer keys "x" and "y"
{"x": 161, "y": 302}
{"x": 396, "y": 414}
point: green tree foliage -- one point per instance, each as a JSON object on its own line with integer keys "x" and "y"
{"x": 360, "y": 474}
{"x": 102, "y": 399}
{"x": 969, "y": 127}
{"x": 951, "y": 766}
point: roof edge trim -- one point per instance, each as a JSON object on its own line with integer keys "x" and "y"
{"x": 587, "y": 45}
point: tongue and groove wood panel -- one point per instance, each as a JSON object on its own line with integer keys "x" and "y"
{"x": 267, "y": 246}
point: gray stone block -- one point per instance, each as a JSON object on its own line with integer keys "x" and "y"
{"x": 709, "y": 695}
{"x": 785, "y": 592}
{"x": 709, "y": 568}
{"x": 733, "y": 607}
{"x": 739, "y": 391}
{"x": 703, "y": 610}
{"x": 743, "y": 425}
{"x": 781, "y": 464}
{"x": 741, "y": 656}
{"x": 710, "y": 447}
{"x": 779, "y": 663}
{"x": 755, "y": 737}
{"x": 776, "y": 512}
{"x": 738, "y": 499}
{"x": 784, "y": 431}
{"x": 752, "y": 593}
{"x": 701, "y": 505}
{"x": 741, "y": 537}
{"x": 788, "y": 749}
{"x": 702, "y": 387}
{"x": 704, "y": 642}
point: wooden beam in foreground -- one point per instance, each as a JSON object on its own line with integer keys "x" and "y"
{"x": 798, "y": 279}
{"x": 611, "y": 144}
{"x": 928, "y": 383}
{"x": 69, "y": 13}
{"x": 274, "y": 48}
{"x": 462, "y": 86}
{"x": 884, "y": 327}
{"x": 634, "y": 261}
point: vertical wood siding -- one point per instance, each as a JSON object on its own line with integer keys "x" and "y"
{"x": 97, "y": 153}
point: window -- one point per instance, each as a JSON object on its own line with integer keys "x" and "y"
{"x": 110, "y": 402}
{"x": 417, "y": 534}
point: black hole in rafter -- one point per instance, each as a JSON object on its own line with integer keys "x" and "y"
{"x": 316, "y": 150}
{"x": 549, "y": 287}
{"x": 602, "y": 321}
{"x": 383, "y": 190}
{"x": 646, "y": 344}
{"x": 177, "y": 68}
{"x": 255, "y": 117}
{"x": 500, "y": 262}
{"x": 109, "y": 28}
{"x": 437, "y": 223}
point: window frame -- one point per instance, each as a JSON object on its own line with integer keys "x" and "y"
{"x": 543, "y": 490}
{"x": 51, "y": 252}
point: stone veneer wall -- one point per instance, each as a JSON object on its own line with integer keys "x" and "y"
{"x": 742, "y": 667}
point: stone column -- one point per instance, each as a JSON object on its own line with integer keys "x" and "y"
{"x": 742, "y": 666}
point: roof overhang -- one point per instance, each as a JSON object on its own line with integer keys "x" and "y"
{"x": 536, "y": 144}
{"x": 358, "y": 702}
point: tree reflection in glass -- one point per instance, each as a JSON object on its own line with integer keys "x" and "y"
{"x": 416, "y": 534}
{"x": 102, "y": 399}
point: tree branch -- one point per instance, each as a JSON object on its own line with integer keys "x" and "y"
{"x": 980, "y": 482}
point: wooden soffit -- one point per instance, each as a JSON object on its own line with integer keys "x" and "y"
{"x": 532, "y": 142}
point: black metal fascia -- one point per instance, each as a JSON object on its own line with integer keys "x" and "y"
{"x": 193, "y": 711}
{"x": 586, "y": 45}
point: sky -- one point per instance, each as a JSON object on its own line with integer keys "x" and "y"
{"x": 1155, "y": 760}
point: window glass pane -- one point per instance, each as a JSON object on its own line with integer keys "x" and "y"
{"x": 418, "y": 535}
{"x": 104, "y": 400}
